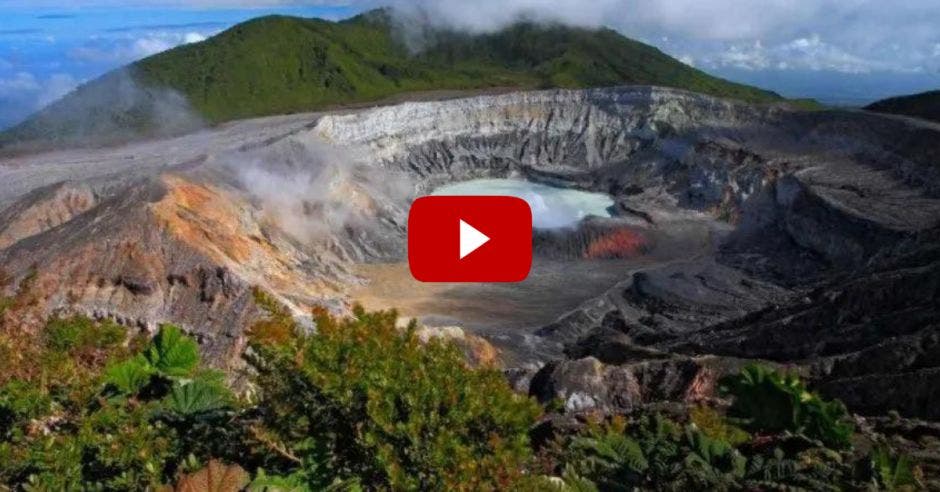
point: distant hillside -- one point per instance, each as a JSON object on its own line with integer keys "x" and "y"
{"x": 274, "y": 65}
{"x": 925, "y": 105}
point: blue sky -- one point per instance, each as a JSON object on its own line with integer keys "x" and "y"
{"x": 838, "y": 51}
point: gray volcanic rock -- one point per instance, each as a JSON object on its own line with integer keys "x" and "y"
{"x": 588, "y": 385}
{"x": 802, "y": 238}
{"x": 869, "y": 337}
{"x": 664, "y": 302}
{"x": 47, "y": 207}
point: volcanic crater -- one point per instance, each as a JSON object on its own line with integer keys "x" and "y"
{"x": 734, "y": 232}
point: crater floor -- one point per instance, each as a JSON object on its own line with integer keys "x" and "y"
{"x": 553, "y": 288}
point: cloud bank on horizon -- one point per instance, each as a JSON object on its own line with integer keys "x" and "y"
{"x": 847, "y": 52}
{"x": 849, "y": 49}
{"x": 852, "y": 36}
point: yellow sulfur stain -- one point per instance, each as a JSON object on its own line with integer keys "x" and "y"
{"x": 222, "y": 226}
{"x": 205, "y": 219}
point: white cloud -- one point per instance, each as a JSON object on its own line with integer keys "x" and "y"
{"x": 702, "y": 19}
{"x": 24, "y": 93}
{"x": 814, "y": 54}
{"x": 805, "y": 53}
{"x": 489, "y": 15}
{"x": 127, "y": 49}
{"x": 19, "y": 83}
{"x": 851, "y": 36}
{"x": 55, "y": 87}
{"x": 169, "y": 3}
{"x": 145, "y": 47}
{"x": 44, "y": 91}
{"x": 193, "y": 37}
{"x": 744, "y": 56}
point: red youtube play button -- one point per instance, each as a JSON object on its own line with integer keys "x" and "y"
{"x": 470, "y": 239}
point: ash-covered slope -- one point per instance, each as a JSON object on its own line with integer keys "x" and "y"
{"x": 804, "y": 214}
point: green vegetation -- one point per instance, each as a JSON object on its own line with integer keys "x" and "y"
{"x": 768, "y": 401}
{"x": 94, "y": 416}
{"x": 276, "y": 65}
{"x": 894, "y": 472}
{"x": 797, "y": 443}
{"x": 713, "y": 424}
{"x": 655, "y": 452}
{"x": 282, "y": 64}
{"x": 363, "y": 400}
{"x": 5, "y": 303}
{"x": 925, "y": 105}
{"x": 361, "y": 404}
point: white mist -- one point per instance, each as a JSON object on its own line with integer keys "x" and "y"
{"x": 551, "y": 207}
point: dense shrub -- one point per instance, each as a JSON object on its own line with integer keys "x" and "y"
{"x": 362, "y": 398}
{"x": 362, "y": 404}
{"x": 713, "y": 424}
{"x": 277, "y": 328}
{"x": 80, "y": 333}
{"x": 359, "y": 403}
{"x": 655, "y": 452}
{"x": 769, "y": 401}
{"x": 93, "y": 416}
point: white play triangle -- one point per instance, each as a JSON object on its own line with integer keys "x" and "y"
{"x": 470, "y": 239}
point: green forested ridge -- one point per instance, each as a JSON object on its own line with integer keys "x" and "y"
{"x": 282, "y": 64}
{"x": 276, "y": 64}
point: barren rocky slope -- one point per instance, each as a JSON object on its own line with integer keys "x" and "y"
{"x": 822, "y": 229}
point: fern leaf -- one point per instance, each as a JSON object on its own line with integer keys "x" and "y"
{"x": 130, "y": 376}
{"x": 196, "y": 397}
{"x": 173, "y": 353}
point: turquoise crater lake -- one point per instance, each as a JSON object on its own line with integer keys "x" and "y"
{"x": 551, "y": 207}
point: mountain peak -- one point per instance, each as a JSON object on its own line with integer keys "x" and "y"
{"x": 281, "y": 64}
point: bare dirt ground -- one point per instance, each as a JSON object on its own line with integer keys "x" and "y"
{"x": 552, "y": 289}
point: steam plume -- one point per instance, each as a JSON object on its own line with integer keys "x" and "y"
{"x": 312, "y": 190}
